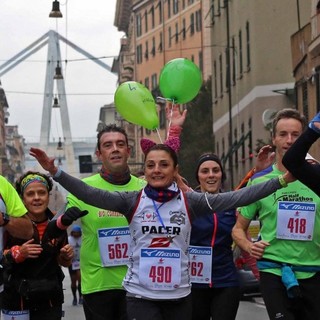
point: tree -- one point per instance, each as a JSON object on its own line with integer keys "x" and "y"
{"x": 197, "y": 134}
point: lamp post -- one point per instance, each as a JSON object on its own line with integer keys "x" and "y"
{"x": 226, "y": 5}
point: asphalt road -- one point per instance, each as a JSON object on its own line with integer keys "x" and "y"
{"x": 70, "y": 312}
{"x": 254, "y": 309}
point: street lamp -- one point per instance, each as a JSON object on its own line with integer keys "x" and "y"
{"x": 55, "y": 12}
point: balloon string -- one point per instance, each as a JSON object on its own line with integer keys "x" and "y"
{"x": 170, "y": 118}
{"x": 158, "y": 132}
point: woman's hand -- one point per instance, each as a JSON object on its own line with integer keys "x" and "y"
{"x": 43, "y": 159}
{"x": 288, "y": 177}
{"x": 30, "y": 250}
{"x": 174, "y": 115}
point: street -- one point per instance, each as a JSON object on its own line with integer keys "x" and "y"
{"x": 247, "y": 310}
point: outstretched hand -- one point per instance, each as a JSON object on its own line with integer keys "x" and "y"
{"x": 265, "y": 158}
{"x": 72, "y": 214}
{"x": 43, "y": 159}
{"x": 174, "y": 115}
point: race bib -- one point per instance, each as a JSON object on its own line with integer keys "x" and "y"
{"x": 15, "y": 315}
{"x": 160, "y": 269}
{"x": 200, "y": 264}
{"x": 114, "y": 246}
{"x": 295, "y": 220}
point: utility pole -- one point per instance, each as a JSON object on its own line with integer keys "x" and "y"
{"x": 226, "y": 5}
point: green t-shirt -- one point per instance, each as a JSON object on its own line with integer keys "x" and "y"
{"x": 295, "y": 252}
{"x": 11, "y": 202}
{"x": 94, "y": 276}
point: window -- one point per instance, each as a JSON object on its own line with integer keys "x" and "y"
{"x": 170, "y": 36}
{"x": 151, "y": 11}
{"x": 146, "y": 53}
{"x": 175, "y": 6}
{"x": 227, "y": 55}
{"x": 240, "y": 55}
{"x": 183, "y": 29}
{"x": 146, "y": 21}
{"x": 305, "y": 110}
{"x": 146, "y": 82}
{"x": 153, "y": 50}
{"x": 248, "y": 46}
{"x": 221, "y": 75}
{"x": 177, "y": 32}
{"x": 169, "y": 8}
{"x": 192, "y": 24}
{"x": 160, "y": 42}
{"x": 234, "y": 71}
{"x": 200, "y": 60}
{"x": 192, "y": 58}
{"x": 159, "y": 5}
{"x": 162, "y": 117}
{"x": 154, "y": 82}
{"x": 138, "y": 25}
{"x": 198, "y": 21}
{"x": 215, "y": 79}
{"x": 139, "y": 54}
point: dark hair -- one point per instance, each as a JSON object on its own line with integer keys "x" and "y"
{"x": 20, "y": 188}
{"x": 111, "y": 128}
{"x": 165, "y": 148}
{"x": 288, "y": 113}
{"x": 208, "y": 156}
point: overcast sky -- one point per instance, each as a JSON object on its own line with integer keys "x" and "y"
{"x": 88, "y": 24}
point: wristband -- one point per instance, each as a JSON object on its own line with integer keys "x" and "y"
{"x": 282, "y": 182}
{"x": 60, "y": 225}
{"x": 16, "y": 254}
{"x": 58, "y": 173}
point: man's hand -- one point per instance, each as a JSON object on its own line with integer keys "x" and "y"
{"x": 265, "y": 158}
{"x": 257, "y": 248}
{"x": 43, "y": 159}
{"x": 72, "y": 214}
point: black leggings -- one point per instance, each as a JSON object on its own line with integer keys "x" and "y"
{"x": 143, "y": 309}
{"x": 218, "y": 303}
{"x": 280, "y": 306}
{"x": 105, "y": 305}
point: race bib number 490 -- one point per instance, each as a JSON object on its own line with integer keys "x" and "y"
{"x": 160, "y": 269}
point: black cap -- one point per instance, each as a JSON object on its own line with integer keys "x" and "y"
{"x": 210, "y": 157}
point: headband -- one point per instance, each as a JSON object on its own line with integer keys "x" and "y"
{"x": 30, "y": 178}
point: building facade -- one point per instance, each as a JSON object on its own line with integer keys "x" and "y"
{"x": 305, "y": 46}
{"x": 251, "y": 73}
{"x": 155, "y": 33}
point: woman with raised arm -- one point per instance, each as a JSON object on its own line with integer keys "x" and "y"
{"x": 157, "y": 282}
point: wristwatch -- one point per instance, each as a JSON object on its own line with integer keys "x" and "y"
{"x": 5, "y": 219}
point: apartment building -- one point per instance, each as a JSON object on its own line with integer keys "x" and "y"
{"x": 305, "y": 45}
{"x": 252, "y": 73}
{"x": 158, "y": 31}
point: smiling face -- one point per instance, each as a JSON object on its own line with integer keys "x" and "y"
{"x": 36, "y": 199}
{"x": 160, "y": 169}
{"x": 114, "y": 152}
{"x": 210, "y": 176}
{"x": 287, "y": 132}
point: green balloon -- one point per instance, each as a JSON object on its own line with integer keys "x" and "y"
{"x": 136, "y": 104}
{"x": 180, "y": 80}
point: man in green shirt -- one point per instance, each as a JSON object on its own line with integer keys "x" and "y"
{"x": 288, "y": 251}
{"x": 105, "y": 234}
